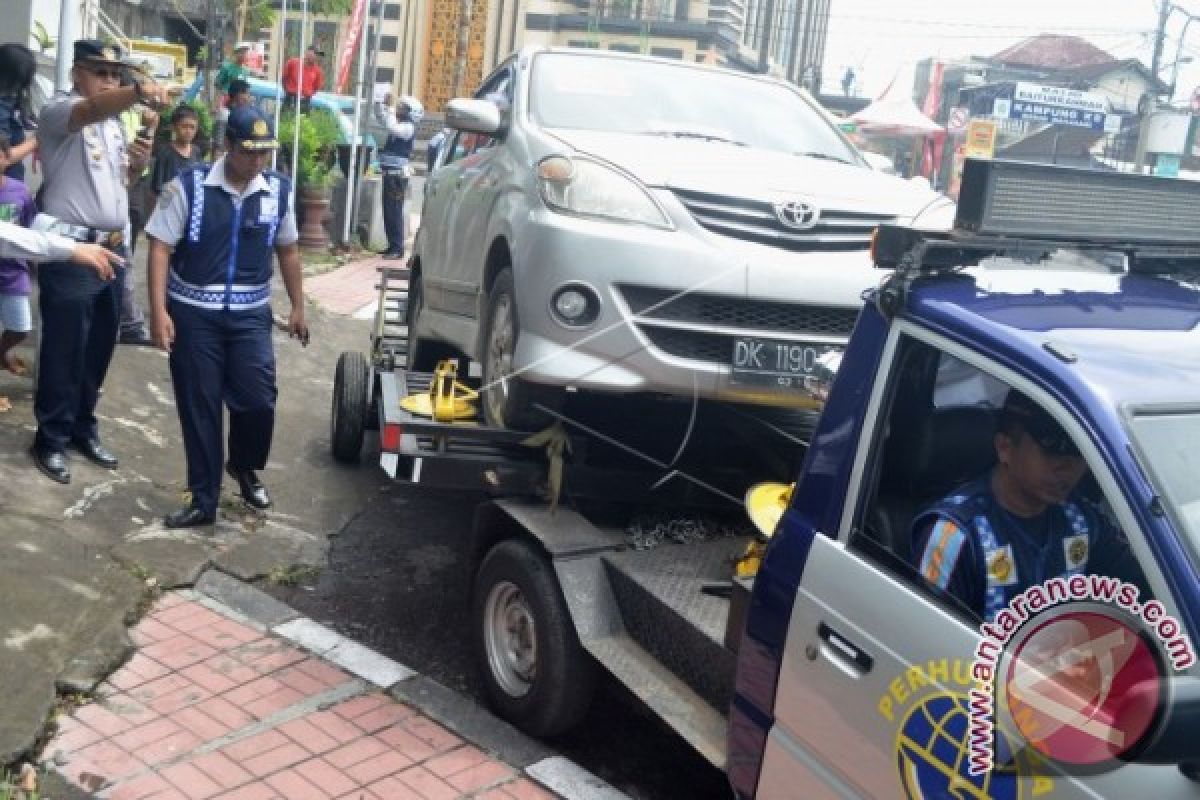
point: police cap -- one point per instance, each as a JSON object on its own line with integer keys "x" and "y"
{"x": 249, "y": 126}
{"x": 94, "y": 51}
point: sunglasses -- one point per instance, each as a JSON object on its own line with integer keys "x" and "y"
{"x": 112, "y": 73}
{"x": 1054, "y": 443}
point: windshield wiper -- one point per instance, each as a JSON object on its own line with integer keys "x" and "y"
{"x": 708, "y": 137}
{"x": 822, "y": 156}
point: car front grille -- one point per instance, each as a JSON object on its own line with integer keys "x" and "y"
{"x": 756, "y": 221}
{"x": 703, "y": 327}
{"x": 710, "y": 310}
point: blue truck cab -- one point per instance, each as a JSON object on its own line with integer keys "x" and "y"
{"x": 856, "y": 676}
{"x": 827, "y": 658}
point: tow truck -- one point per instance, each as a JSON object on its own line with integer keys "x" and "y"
{"x": 823, "y": 664}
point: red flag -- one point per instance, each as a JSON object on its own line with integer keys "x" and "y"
{"x": 353, "y": 33}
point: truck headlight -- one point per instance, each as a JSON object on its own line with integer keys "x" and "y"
{"x": 590, "y": 189}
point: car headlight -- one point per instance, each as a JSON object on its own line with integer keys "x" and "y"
{"x": 590, "y": 189}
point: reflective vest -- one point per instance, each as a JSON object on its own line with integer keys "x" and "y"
{"x": 224, "y": 260}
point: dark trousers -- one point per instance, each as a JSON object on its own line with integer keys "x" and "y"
{"x": 79, "y": 333}
{"x": 222, "y": 357}
{"x": 395, "y": 185}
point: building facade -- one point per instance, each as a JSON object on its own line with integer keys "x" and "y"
{"x": 419, "y": 42}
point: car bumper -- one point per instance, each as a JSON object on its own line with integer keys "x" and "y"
{"x": 672, "y": 305}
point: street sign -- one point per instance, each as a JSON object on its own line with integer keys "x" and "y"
{"x": 956, "y": 120}
{"x": 1055, "y": 105}
{"x": 981, "y": 139}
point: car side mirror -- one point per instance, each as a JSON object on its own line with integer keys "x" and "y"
{"x": 1176, "y": 741}
{"x": 472, "y": 115}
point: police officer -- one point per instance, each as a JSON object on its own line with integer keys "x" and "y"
{"x": 393, "y": 159}
{"x": 1021, "y": 523}
{"x": 88, "y": 165}
{"x": 212, "y": 236}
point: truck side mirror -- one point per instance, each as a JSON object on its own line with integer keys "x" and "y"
{"x": 1176, "y": 741}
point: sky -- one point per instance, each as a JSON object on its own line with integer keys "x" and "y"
{"x": 883, "y": 39}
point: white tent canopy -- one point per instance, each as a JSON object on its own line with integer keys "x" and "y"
{"x": 895, "y": 116}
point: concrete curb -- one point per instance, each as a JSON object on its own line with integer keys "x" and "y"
{"x": 244, "y": 603}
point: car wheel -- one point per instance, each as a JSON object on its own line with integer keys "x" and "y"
{"x": 423, "y": 355}
{"x": 537, "y": 675}
{"x": 508, "y": 401}
{"x": 351, "y": 383}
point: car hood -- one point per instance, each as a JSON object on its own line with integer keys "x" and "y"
{"x": 726, "y": 169}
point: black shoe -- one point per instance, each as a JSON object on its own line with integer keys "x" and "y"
{"x": 138, "y": 339}
{"x": 188, "y": 517}
{"x": 52, "y": 463}
{"x": 253, "y": 492}
{"x": 393, "y": 256}
{"x": 96, "y": 452}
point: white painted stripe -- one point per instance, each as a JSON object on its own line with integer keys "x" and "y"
{"x": 345, "y": 653}
{"x": 572, "y": 781}
{"x": 367, "y": 311}
{"x": 309, "y": 634}
{"x": 367, "y": 664}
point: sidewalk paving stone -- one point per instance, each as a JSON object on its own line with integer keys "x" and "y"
{"x": 212, "y": 709}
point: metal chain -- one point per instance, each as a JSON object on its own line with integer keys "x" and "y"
{"x": 651, "y": 529}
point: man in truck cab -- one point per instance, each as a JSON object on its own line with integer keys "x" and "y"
{"x": 1020, "y": 523}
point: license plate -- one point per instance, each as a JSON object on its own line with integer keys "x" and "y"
{"x": 766, "y": 362}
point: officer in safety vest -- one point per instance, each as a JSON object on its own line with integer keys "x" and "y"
{"x": 212, "y": 236}
{"x": 393, "y": 160}
{"x": 1022, "y": 523}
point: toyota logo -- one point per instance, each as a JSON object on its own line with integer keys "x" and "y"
{"x": 797, "y": 214}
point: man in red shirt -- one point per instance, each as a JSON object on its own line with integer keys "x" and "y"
{"x": 314, "y": 78}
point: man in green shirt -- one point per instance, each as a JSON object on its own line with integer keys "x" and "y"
{"x": 234, "y": 70}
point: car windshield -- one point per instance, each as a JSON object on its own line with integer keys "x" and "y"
{"x": 663, "y": 99}
{"x": 1169, "y": 444}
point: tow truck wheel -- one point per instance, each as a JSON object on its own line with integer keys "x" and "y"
{"x": 508, "y": 401}
{"x": 537, "y": 675}
{"x": 351, "y": 383}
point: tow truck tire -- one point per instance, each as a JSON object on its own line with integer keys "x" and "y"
{"x": 351, "y": 383}
{"x": 537, "y": 675}
{"x": 509, "y": 402}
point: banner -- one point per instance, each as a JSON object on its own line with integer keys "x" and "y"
{"x": 353, "y": 34}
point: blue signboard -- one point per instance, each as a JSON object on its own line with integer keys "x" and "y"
{"x": 1057, "y": 115}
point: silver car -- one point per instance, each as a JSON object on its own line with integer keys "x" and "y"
{"x": 607, "y": 222}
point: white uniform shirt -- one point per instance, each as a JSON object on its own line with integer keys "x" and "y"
{"x": 30, "y": 245}
{"x": 168, "y": 223}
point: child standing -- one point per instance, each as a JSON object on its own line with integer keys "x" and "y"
{"x": 171, "y": 158}
{"x": 16, "y": 206}
{"x": 17, "y": 68}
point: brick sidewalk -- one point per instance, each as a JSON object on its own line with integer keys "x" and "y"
{"x": 213, "y": 707}
{"x": 348, "y": 288}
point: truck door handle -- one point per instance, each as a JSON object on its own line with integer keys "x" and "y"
{"x": 845, "y": 650}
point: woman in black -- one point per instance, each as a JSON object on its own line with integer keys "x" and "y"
{"x": 182, "y": 150}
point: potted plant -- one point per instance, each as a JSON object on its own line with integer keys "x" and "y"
{"x": 314, "y": 177}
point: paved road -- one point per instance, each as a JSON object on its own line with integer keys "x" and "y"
{"x": 395, "y": 581}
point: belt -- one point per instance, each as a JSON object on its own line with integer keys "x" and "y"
{"x": 82, "y": 233}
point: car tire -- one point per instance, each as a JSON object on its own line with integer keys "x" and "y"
{"x": 536, "y": 674}
{"x": 422, "y": 354}
{"x": 509, "y": 402}
{"x": 351, "y": 383}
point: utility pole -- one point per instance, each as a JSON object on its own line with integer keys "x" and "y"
{"x": 460, "y": 54}
{"x": 210, "y": 46}
{"x": 243, "y": 10}
{"x": 1164, "y": 12}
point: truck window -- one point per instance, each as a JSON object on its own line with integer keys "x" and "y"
{"x": 976, "y": 487}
